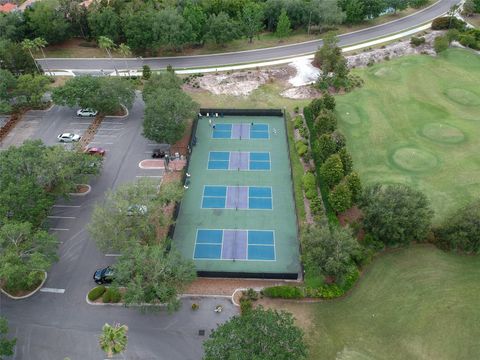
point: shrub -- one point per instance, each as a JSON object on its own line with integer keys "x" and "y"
{"x": 347, "y": 161}
{"x": 250, "y": 294}
{"x": 298, "y": 122}
{"x": 331, "y": 172}
{"x": 340, "y": 197}
{"x": 440, "y": 44}
{"x": 328, "y": 101}
{"x": 323, "y": 148}
{"x": 245, "y": 305}
{"x": 355, "y": 186}
{"x": 303, "y": 132}
{"x": 296, "y": 109}
{"x": 325, "y": 122}
{"x": 316, "y": 206}
{"x": 301, "y": 148}
{"x": 468, "y": 40}
{"x": 283, "y": 292}
{"x": 417, "y": 3}
{"x": 96, "y": 292}
{"x": 146, "y": 72}
{"x": 195, "y": 306}
{"x": 112, "y": 295}
{"x": 417, "y": 41}
{"x": 448, "y": 22}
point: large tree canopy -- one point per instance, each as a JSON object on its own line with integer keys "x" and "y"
{"x": 396, "y": 214}
{"x": 45, "y": 21}
{"x": 257, "y": 334}
{"x": 104, "y": 94}
{"x": 6, "y": 345}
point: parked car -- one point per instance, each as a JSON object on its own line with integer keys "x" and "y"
{"x": 103, "y": 276}
{"x": 158, "y": 154}
{"x": 136, "y": 210}
{"x": 68, "y": 137}
{"x": 92, "y": 150}
{"x": 87, "y": 113}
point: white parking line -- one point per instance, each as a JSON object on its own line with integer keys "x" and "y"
{"x": 113, "y": 255}
{"x": 80, "y": 123}
{"x": 58, "y": 229}
{"x": 66, "y": 206}
{"x": 100, "y": 142}
{"x": 108, "y": 129}
{"x": 106, "y": 135}
{"x": 61, "y": 217}
{"x": 150, "y": 144}
{"x": 152, "y": 176}
{"x": 52, "y": 290}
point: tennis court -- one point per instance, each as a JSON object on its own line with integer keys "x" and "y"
{"x": 237, "y": 218}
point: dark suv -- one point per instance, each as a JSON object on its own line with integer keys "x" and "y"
{"x": 103, "y": 276}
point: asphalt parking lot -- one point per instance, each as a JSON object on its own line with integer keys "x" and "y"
{"x": 57, "y": 322}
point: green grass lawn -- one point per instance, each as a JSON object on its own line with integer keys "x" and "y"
{"x": 411, "y": 304}
{"x": 417, "y": 121}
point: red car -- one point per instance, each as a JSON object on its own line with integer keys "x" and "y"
{"x": 95, "y": 151}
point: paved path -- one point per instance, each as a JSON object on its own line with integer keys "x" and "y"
{"x": 259, "y": 55}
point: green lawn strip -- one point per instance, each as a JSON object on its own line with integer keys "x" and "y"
{"x": 416, "y": 303}
{"x": 297, "y": 170}
{"x": 415, "y": 121}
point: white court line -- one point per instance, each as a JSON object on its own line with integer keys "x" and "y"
{"x": 66, "y": 206}
{"x": 113, "y": 254}
{"x": 52, "y": 290}
{"x": 61, "y": 217}
{"x": 58, "y": 229}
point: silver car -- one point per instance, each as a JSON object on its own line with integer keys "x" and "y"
{"x": 68, "y": 137}
{"x": 87, "y": 113}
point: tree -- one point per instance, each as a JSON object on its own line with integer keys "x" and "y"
{"x": 115, "y": 225}
{"x": 252, "y": 20}
{"x": 221, "y": 29}
{"x": 114, "y": 339}
{"x": 166, "y": 113}
{"x": 24, "y": 253}
{"x": 40, "y": 44}
{"x": 340, "y": 198}
{"x": 6, "y": 346}
{"x": 276, "y": 337}
{"x": 30, "y": 46}
{"x": 354, "y": 11}
{"x": 104, "y": 21}
{"x": 125, "y": 51}
{"x": 373, "y": 8}
{"x": 174, "y": 31}
{"x": 30, "y": 89}
{"x": 440, "y": 43}
{"x": 108, "y": 45}
{"x": 325, "y": 12}
{"x": 325, "y": 122}
{"x": 331, "y": 171}
{"x": 139, "y": 28}
{"x": 396, "y": 214}
{"x": 330, "y": 250}
{"x": 324, "y": 147}
{"x": 355, "y": 186}
{"x": 8, "y": 83}
{"x": 283, "y": 25}
{"x": 16, "y": 59}
{"x": 461, "y": 230}
{"x": 333, "y": 65}
{"x": 162, "y": 80}
{"x": 397, "y": 5}
{"x": 347, "y": 161}
{"x": 46, "y": 22}
{"x": 469, "y": 7}
{"x": 104, "y": 94}
{"x": 153, "y": 275}
{"x": 12, "y": 26}
{"x": 477, "y": 5}
{"x": 196, "y": 17}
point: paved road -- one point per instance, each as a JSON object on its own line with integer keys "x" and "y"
{"x": 259, "y": 55}
{"x": 50, "y": 325}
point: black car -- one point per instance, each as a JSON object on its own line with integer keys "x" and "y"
{"x": 103, "y": 276}
{"x": 158, "y": 154}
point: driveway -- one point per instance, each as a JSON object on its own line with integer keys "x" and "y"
{"x": 57, "y": 322}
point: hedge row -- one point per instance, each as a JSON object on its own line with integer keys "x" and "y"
{"x": 108, "y": 295}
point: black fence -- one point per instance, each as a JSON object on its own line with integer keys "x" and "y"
{"x": 244, "y": 275}
{"x": 241, "y": 112}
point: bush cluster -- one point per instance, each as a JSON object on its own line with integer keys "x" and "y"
{"x": 448, "y": 22}
{"x": 417, "y": 41}
{"x": 96, "y": 293}
{"x": 111, "y": 295}
{"x": 283, "y": 292}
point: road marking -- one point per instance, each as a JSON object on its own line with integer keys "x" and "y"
{"x": 66, "y": 206}
{"x": 79, "y": 123}
{"x": 52, "y": 290}
{"x": 106, "y": 135}
{"x": 150, "y": 144}
{"x": 100, "y": 142}
{"x": 105, "y": 129}
{"x": 58, "y": 229}
{"x": 113, "y": 254}
{"x": 61, "y": 217}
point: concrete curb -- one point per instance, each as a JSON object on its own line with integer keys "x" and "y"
{"x": 141, "y": 166}
{"x": 120, "y": 116}
{"x": 28, "y": 295}
{"x": 82, "y": 194}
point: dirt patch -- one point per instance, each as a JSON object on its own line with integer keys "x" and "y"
{"x": 181, "y": 146}
{"x": 352, "y": 215}
{"x": 241, "y": 83}
{"x": 300, "y": 311}
{"x": 212, "y": 286}
{"x": 301, "y": 92}
{"x": 81, "y": 189}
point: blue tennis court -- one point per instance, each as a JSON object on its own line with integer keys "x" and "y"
{"x": 241, "y": 131}
{"x": 237, "y": 197}
{"x": 239, "y": 160}
{"x": 225, "y": 244}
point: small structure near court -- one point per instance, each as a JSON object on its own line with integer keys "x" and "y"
{"x": 237, "y": 218}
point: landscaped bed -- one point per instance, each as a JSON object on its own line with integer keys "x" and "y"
{"x": 415, "y": 121}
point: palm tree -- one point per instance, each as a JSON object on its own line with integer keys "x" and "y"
{"x": 40, "y": 43}
{"x": 124, "y": 49}
{"x": 107, "y": 44}
{"x": 113, "y": 339}
{"x": 29, "y": 45}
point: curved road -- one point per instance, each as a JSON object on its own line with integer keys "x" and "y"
{"x": 259, "y": 55}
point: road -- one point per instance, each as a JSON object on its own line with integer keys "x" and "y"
{"x": 59, "y": 323}
{"x": 259, "y": 55}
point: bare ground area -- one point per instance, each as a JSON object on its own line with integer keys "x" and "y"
{"x": 224, "y": 286}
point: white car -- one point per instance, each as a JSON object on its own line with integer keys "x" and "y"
{"x": 68, "y": 137}
{"x": 86, "y": 112}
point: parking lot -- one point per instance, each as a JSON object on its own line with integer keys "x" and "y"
{"x": 59, "y": 315}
